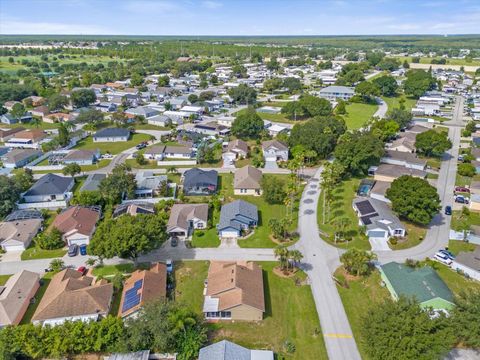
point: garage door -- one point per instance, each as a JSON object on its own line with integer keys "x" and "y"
{"x": 78, "y": 242}
{"x": 377, "y": 234}
{"x": 229, "y": 234}
{"x": 9, "y": 248}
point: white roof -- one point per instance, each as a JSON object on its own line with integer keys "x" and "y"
{"x": 210, "y": 304}
{"x": 192, "y": 108}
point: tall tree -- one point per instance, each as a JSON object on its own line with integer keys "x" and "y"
{"x": 247, "y": 125}
{"x": 83, "y": 97}
{"x": 358, "y": 262}
{"x": 432, "y": 143}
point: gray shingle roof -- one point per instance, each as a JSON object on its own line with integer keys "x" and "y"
{"x": 112, "y": 132}
{"x": 231, "y": 211}
{"x": 224, "y": 350}
{"x": 196, "y": 176}
{"x": 50, "y": 184}
{"x": 92, "y": 182}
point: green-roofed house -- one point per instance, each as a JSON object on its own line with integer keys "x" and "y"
{"x": 424, "y": 284}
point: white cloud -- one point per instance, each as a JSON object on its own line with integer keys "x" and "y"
{"x": 13, "y": 26}
{"x": 211, "y": 4}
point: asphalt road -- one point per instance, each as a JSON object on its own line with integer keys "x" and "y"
{"x": 319, "y": 262}
{"x": 438, "y": 232}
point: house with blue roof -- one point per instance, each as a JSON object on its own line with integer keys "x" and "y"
{"x": 236, "y": 217}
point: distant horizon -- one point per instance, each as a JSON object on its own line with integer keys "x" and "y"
{"x": 239, "y": 18}
{"x": 245, "y": 36}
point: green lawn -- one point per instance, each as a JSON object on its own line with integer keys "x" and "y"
{"x": 463, "y": 222}
{"x": 38, "y": 296}
{"x": 290, "y": 313}
{"x": 341, "y": 207}
{"x": 111, "y": 270}
{"x": 35, "y": 252}
{"x": 462, "y": 180}
{"x": 207, "y": 238}
{"x": 43, "y": 125}
{"x": 455, "y": 246}
{"x": 358, "y": 114}
{"x": 415, "y": 235}
{"x": 363, "y": 293}
{"x": 3, "y": 279}
{"x": 428, "y": 60}
{"x": 112, "y": 147}
{"x": 456, "y": 282}
{"x": 100, "y": 164}
{"x": 394, "y": 102}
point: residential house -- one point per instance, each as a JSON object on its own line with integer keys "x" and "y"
{"x": 133, "y": 208}
{"x": 185, "y": 218}
{"x": 106, "y": 107}
{"x": 226, "y": 350}
{"x": 149, "y": 185}
{"x": 58, "y": 118}
{"x": 144, "y": 111}
{"x": 337, "y": 92}
{"x": 405, "y": 159}
{"x": 77, "y": 224}
{"x": 239, "y": 148}
{"x": 10, "y": 120}
{"x": 379, "y": 190}
{"x": 193, "y": 110}
{"x": 160, "y": 152}
{"x": 6, "y": 134}
{"x": 389, "y": 172}
{"x": 468, "y": 263}
{"x": 36, "y": 100}
{"x": 405, "y": 143}
{"x": 17, "y": 235}
{"x": 274, "y": 150}
{"x": 275, "y": 129}
{"x": 71, "y": 296}
{"x": 178, "y": 103}
{"x": 200, "y": 182}
{"x": 111, "y": 135}
{"x": 49, "y": 188}
{"x": 9, "y": 104}
{"x": 27, "y": 139}
{"x": 92, "y": 182}
{"x": 236, "y": 217}
{"x": 234, "y": 291}
{"x": 159, "y": 120}
{"x": 142, "y": 287}
{"x": 18, "y": 158}
{"x": 40, "y": 111}
{"x": 16, "y": 295}
{"x": 211, "y": 129}
{"x": 225, "y": 120}
{"x": 82, "y": 157}
{"x": 423, "y": 284}
{"x": 378, "y": 219}
{"x": 247, "y": 181}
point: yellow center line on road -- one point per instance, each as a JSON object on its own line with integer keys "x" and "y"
{"x": 338, "y": 336}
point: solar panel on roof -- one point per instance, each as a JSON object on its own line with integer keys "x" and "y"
{"x": 132, "y": 297}
{"x": 364, "y": 207}
{"x": 367, "y": 219}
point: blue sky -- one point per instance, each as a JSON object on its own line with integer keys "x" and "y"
{"x": 239, "y": 17}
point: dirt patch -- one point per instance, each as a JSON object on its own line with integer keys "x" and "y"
{"x": 280, "y": 242}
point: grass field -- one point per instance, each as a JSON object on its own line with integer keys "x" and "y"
{"x": 415, "y": 235}
{"x": 111, "y": 147}
{"x": 358, "y": 114}
{"x": 3, "y": 279}
{"x": 111, "y": 270}
{"x": 290, "y": 313}
{"x": 428, "y": 60}
{"x": 35, "y": 252}
{"x": 455, "y": 246}
{"x": 463, "y": 222}
{"x": 456, "y": 282}
{"x": 394, "y": 102}
{"x": 100, "y": 164}
{"x": 341, "y": 207}
{"x": 43, "y": 126}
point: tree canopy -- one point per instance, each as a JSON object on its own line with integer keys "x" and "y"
{"x": 247, "y": 125}
{"x": 119, "y": 184}
{"x": 243, "y": 94}
{"x": 414, "y": 199}
{"x": 357, "y": 262}
{"x": 83, "y": 97}
{"x": 418, "y": 82}
{"x": 358, "y": 151}
{"x": 318, "y": 134}
{"x": 273, "y": 189}
{"x": 387, "y": 85}
{"x": 432, "y": 143}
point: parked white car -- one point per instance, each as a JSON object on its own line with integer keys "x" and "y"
{"x": 443, "y": 258}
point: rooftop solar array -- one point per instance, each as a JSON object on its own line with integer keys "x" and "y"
{"x": 24, "y": 215}
{"x": 365, "y": 208}
{"x": 366, "y": 220}
{"x": 132, "y": 297}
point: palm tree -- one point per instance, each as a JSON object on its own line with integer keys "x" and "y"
{"x": 172, "y": 170}
{"x": 282, "y": 253}
{"x": 70, "y": 126}
{"x": 91, "y": 262}
{"x": 295, "y": 256}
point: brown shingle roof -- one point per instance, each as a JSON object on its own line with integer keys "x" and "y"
{"x": 72, "y": 294}
{"x": 274, "y": 143}
{"x": 236, "y": 145}
{"x": 20, "y": 230}
{"x": 77, "y": 219}
{"x": 34, "y": 134}
{"x": 247, "y": 177}
{"x": 154, "y": 287}
{"x": 180, "y": 214}
{"x": 234, "y": 284}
